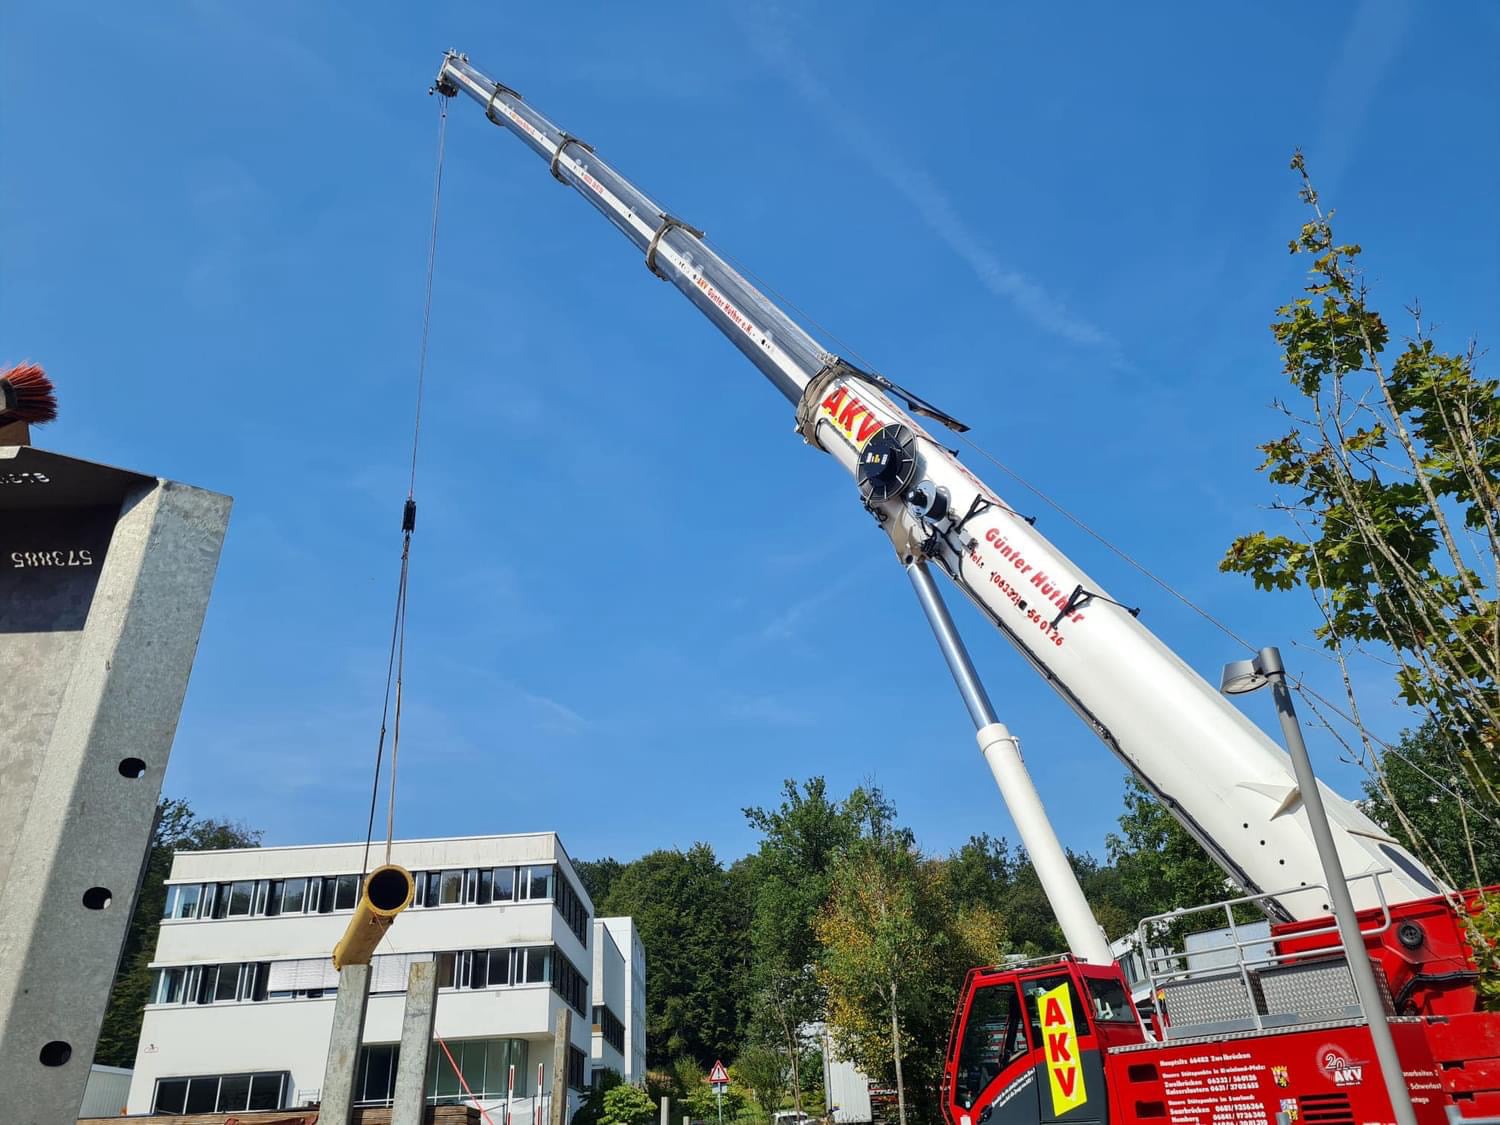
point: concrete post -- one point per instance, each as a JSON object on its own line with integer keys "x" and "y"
{"x": 343, "y": 1045}
{"x": 559, "y": 1115}
{"x": 106, "y": 581}
{"x": 666, "y": 1110}
{"x": 416, "y": 1044}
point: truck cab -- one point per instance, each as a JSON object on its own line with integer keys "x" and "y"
{"x": 1028, "y": 1041}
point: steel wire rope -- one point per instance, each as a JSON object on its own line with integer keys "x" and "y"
{"x": 1299, "y": 685}
{"x": 396, "y": 661}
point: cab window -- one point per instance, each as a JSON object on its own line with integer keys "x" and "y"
{"x": 1111, "y": 1003}
{"x": 994, "y": 1036}
{"x": 1038, "y": 985}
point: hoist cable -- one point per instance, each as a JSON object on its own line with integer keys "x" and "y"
{"x": 437, "y": 195}
{"x": 395, "y": 671}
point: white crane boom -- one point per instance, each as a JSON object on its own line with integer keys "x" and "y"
{"x": 1220, "y": 776}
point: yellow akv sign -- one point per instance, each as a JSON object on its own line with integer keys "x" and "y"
{"x": 1060, "y": 1042}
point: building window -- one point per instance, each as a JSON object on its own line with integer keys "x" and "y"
{"x": 505, "y": 884}
{"x": 221, "y": 1093}
{"x": 293, "y": 896}
{"x": 241, "y": 896}
{"x": 490, "y": 968}
{"x": 375, "y": 1084}
{"x": 531, "y": 964}
{"x": 575, "y": 1069}
{"x": 264, "y": 897}
{"x": 569, "y": 904}
{"x": 535, "y": 883}
{"x": 182, "y": 901}
{"x": 210, "y": 984}
{"x": 607, "y": 1024}
{"x": 488, "y": 1066}
{"x": 570, "y": 984}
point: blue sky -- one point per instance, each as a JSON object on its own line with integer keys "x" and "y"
{"x": 637, "y": 601}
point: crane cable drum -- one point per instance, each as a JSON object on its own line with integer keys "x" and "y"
{"x": 389, "y": 889}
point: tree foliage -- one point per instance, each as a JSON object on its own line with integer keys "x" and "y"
{"x": 627, "y": 1105}
{"x": 1443, "y": 813}
{"x": 1159, "y": 864}
{"x": 790, "y": 874}
{"x": 691, "y": 921}
{"x": 743, "y": 960}
{"x": 177, "y": 828}
{"x": 766, "y": 1072}
{"x": 1390, "y": 480}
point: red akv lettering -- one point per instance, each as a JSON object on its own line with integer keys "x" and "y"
{"x": 1066, "y": 1080}
{"x": 851, "y": 412}
{"x": 832, "y": 403}
{"x": 1053, "y": 1015}
{"x": 867, "y": 427}
{"x": 1057, "y": 1047}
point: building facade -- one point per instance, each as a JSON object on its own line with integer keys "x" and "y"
{"x": 619, "y": 999}
{"x": 243, "y": 982}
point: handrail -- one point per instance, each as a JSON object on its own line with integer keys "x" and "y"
{"x": 1149, "y": 935}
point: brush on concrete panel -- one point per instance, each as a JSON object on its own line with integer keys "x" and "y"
{"x": 26, "y": 396}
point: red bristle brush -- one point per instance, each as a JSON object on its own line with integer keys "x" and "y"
{"x": 26, "y": 396}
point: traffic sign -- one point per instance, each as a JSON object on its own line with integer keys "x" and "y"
{"x": 718, "y": 1075}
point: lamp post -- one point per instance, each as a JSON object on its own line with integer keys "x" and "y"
{"x": 1250, "y": 675}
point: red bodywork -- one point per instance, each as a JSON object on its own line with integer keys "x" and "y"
{"x": 1000, "y": 1071}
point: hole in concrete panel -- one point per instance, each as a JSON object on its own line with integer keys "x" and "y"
{"x": 55, "y": 1053}
{"x": 97, "y": 898}
{"x": 132, "y": 768}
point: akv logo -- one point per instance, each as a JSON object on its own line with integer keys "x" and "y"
{"x": 1339, "y": 1068}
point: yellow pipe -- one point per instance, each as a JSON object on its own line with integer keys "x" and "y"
{"x": 386, "y": 893}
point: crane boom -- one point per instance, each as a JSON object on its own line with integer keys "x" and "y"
{"x": 1220, "y": 775}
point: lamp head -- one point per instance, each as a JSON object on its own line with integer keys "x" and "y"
{"x": 1241, "y": 676}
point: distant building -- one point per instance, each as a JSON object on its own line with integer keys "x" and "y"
{"x": 243, "y": 983}
{"x": 619, "y": 999}
{"x": 107, "y": 1091}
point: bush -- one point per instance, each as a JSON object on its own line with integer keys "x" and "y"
{"x": 627, "y": 1105}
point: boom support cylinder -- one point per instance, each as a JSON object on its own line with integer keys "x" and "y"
{"x": 1002, "y": 751}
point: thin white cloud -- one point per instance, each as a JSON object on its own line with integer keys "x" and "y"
{"x": 1367, "y": 53}
{"x": 1027, "y": 295}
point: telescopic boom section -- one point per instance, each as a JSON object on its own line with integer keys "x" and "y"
{"x": 1220, "y": 775}
{"x": 673, "y": 249}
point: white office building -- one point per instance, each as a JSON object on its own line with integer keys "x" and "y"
{"x": 243, "y": 983}
{"x": 619, "y": 999}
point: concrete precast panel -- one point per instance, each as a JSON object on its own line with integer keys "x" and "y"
{"x": 105, "y": 577}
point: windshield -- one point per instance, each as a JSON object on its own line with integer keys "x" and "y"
{"x": 1112, "y": 1004}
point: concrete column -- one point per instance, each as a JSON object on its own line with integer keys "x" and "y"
{"x": 97, "y": 635}
{"x": 416, "y": 1044}
{"x": 666, "y": 1110}
{"x": 559, "y": 1115}
{"x": 343, "y": 1044}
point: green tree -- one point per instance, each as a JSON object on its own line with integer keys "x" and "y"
{"x": 627, "y": 1105}
{"x": 591, "y": 1111}
{"x": 1444, "y": 815}
{"x": 880, "y": 954}
{"x": 177, "y": 828}
{"x": 693, "y": 925}
{"x": 1159, "y": 865}
{"x": 1389, "y": 484}
{"x": 767, "y": 1074}
{"x": 800, "y": 841}
{"x": 598, "y": 876}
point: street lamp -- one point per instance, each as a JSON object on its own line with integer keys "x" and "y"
{"x": 1243, "y": 676}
